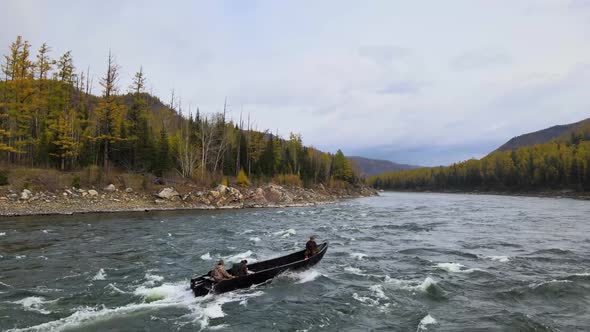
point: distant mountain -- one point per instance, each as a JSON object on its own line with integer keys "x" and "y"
{"x": 543, "y": 136}
{"x": 375, "y": 166}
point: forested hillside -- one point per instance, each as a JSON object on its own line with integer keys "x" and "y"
{"x": 547, "y": 135}
{"x": 562, "y": 164}
{"x": 49, "y": 117}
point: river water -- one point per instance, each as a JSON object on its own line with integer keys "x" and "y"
{"x": 401, "y": 261}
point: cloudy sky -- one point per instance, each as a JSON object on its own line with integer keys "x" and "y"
{"x": 422, "y": 82}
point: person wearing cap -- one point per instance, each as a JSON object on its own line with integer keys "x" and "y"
{"x": 219, "y": 273}
{"x": 311, "y": 247}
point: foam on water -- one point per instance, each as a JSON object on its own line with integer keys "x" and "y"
{"x": 206, "y": 257}
{"x": 35, "y": 303}
{"x": 301, "y": 277}
{"x": 365, "y": 299}
{"x": 354, "y": 270}
{"x": 410, "y": 284}
{"x": 152, "y": 279}
{"x": 5, "y": 285}
{"x": 2, "y": 233}
{"x": 501, "y": 259}
{"x": 554, "y": 281}
{"x": 455, "y": 268}
{"x": 423, "y": 325}
{"x": 100, "y": 275}
{"x": 450, "y": 267}
{"x": 116, "y": 289}
{"x": 20, "y": 256}
{"x": 378, "y": 291}
{"x": 286, "y": 233}
{"x": 358, "y": 255}
{"x": 255, "y": 239}
{"x": 201, "y": 310}
{"x": 238, "y": 257}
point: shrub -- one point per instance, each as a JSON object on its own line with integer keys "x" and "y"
{"x": 337, "y": 184}
{"x": 224, "y": 182}
{"x": 93, "y": 175}
{"x": 242, "y": 179}
{"x": 76, "y": 181}
{"x": 288, "y": 180}
{"x": 3, "y": 177}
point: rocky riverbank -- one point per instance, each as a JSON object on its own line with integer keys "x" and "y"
{"x": 112, "y": 199}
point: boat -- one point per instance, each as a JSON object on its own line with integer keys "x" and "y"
{"x": 258, "y": 273}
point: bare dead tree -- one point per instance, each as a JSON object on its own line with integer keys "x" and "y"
{"x": 188, "y": 152}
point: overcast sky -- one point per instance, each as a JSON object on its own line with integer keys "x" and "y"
{"x": 421, "y": 82}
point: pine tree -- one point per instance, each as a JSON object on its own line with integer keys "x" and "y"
{"x": 108, "y": 113}
{"x": 137, "y": 119}
{"x": 341, "y": 167}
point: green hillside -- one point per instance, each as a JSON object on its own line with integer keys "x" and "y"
{"x": 50, "y": 119}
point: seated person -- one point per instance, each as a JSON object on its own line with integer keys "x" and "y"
{"x": 219, "y": 273}
{"x": 311, "y": 247}
{"x": 243, "y": 268}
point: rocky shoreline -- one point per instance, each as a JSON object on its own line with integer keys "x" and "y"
{"x": 111, "y": 199}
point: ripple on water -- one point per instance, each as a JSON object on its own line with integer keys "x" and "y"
{"x": 401, "y": 262}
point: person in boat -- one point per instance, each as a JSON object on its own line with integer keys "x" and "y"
{"x": 311, "y": 247}
{"x": 243, "y": 268}
{"x": 219, "y": 273}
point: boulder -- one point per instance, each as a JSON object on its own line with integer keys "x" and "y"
{"x": 110, "y": 188}
{"x": 129, "y": 190}
{"x": 13, "y": 197}
{"x": 168, "y": 193}
{"x": 214, "y": 194}
{"x": 25, "y": 195}
{"x": 258, "y": 196}
{"x": 234, "y": 194}
{"x": 92, "y": 193}
{"x": 221, "y": 188}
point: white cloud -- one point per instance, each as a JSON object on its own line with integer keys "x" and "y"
{"x": 412, "y": 76}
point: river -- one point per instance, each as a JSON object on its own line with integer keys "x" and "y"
{"x": 401, "y": 261}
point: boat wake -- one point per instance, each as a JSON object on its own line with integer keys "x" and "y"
{"x": 148, "y": 298}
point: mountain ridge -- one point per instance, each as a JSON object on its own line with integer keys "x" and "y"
{"x": 369, "y": 166}
{"x": 543, "y": 136}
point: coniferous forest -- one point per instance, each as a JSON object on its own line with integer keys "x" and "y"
{"x": 53, "y": 115}
{"x": 561, "y": 164}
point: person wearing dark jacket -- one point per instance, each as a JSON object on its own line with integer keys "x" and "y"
{"x": 311, "y": 247}
{"x": 243, "y": 268}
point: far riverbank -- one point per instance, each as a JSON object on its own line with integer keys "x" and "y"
{"x": 544, "y": 193}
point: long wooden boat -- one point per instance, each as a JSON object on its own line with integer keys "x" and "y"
{"x": 259, "y": 272}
